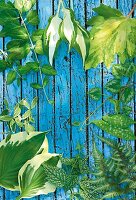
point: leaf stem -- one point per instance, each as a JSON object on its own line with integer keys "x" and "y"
{"x": 131, "y": 12}
{"x": 36, "y": 57}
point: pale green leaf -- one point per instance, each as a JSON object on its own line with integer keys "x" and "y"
{"x": 24, "y": 5}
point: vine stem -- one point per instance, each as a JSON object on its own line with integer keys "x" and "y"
{"x": 131, "y": 12}
{"x": 36, "y": 57}
{"x": 84, "y": 123}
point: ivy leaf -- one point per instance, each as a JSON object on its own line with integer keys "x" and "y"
{"x": 36, "y": 86}
{"x": 95, "y": 93}
{"x": 14, "y": 152}
{"x": 11, "y": 77}
{"x": 48, "y": 70}
{"x": 116, "y": 125}
{"x": 68, "y": 25}
{"x": 37, "y": 35}
{"x": 18, "y": 49}
{"x": 34, "y": 102}
{"x": 32, "y": 17}
{"x": 5, "y": 118}
{"x": 113, "y": 86}
{"x": 39, "y": 47}
{"x": 45, "y": 81}
{"x": 106, "y": 41}
{"x": 24, "y": 5}
{"x": 32, "y": 177}
{"x": 51, "y": 37}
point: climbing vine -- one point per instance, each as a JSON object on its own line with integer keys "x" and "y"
{"x": 34, "y": 170}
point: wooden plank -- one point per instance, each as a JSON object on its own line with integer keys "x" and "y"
{"x": 94, "y": 79}
{"x": 46, "y": 111}
{"x": 78, "y": 86}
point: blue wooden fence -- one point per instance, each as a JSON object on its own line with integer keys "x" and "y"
{"x": 69, "y": 89}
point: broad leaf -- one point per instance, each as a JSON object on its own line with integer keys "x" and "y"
{"x": 51, "y": 37}
{"x": 106, "y": 41}
{"x": 15, "y": 152}
{"x": 32, "y": 17}
{"x": 117, "y": 125}
{"x": 120, "y": 70}
{"x": 33, "y": 178}
{"x": 11, "y": 77}
{"x": 113, "y": 86}
{"x": 37, "y": 35}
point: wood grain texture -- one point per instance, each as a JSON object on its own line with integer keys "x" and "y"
{"x": 69, "y": 89}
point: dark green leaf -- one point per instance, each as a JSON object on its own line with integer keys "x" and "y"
{"x": 95, "y": 93}
{"x": 45, "y": 81}
{"x": 113, "y": 86}
{"x": 48, "y": 70}
{"x": 37, "y": 35}
{"x": 32, "y": 17}
{"x": 36, "y": 85}
{"x": 33, "y": 66}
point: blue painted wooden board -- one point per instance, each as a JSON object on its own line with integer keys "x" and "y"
{"x": 69, "y": 89}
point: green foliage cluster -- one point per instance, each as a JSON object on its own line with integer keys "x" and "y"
{"x": 25, "y": 163}
{"x": 20, "y": 118}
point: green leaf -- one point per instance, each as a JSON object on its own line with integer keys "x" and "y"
{"x": 117, "y": 125}
{"x": 113, "y": 86}
{"x": 120, "y": 70}
{"x": 33, "y": 66}
{"x": 23, "y": 70}
{"x": 106, "y": 41}
{"x": 29, "y": 128}
{"x": 23, "y": 102}
{"x": 95, "y": 93}
{"x": 48, "y": 70}
{"x": 17, "y": 111}
{"x": 33, "y": 178}
{"x": 14, "y": 154}
{"x": 11, "y": 77}
{"x": 5, "y": 118}
{"x": 45, "y": 81}
{"x": 37, "y": 35}
{"x": 68, "y": 26}
{"x": 18, "y": 49}
{"x": 3, "y": 65}
{"x": 107, "y": 11}
{"x": 23, "y": 5}
{"x": 51, "y": 37}
{"x": 76, "y": 123}
{"x": 127, "y": 94}
{"x": 32, "y": 17}
{"x": 27, "y": 114}
{"x": 39, "y": 47}
{"x": 36, "y": 86}
{"x": 34, "y": 102}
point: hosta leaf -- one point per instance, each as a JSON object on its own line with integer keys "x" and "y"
{"x": 51, "y": 37}
{"x": 82, "y": 42}
{"x": 24, "y": 5}
{"x": 48, "y": 70}
{"x": 113, "y": 86}
{"x": 116, "y": 125}
{"x": 32, "y": 17}
{"x": 95, "y": 93}
{"x": 106, "y": 41}
{"x": 11, "y": 77}
{"x": 68, "y": 27}
{"x": 14, "y": 153}
{"x": 33, "y": 178}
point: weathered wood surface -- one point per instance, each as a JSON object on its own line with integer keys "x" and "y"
{"x": 69, "y": 89}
